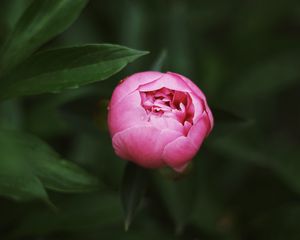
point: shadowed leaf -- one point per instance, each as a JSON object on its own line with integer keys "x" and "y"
{"x": 133, "y": 189}
{"x": 67, "y": 68}
{"x": 41, "y": 21}
{"x": 28, "y": 165}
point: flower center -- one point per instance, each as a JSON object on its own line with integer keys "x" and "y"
{"x": 168, "y": 103}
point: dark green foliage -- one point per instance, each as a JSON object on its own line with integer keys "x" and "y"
{"x": 59, "y": 176}
{"x": 67, "y": 68}
{"x": 40, "y": 22}
{"x": 27, "y": 159}
{"x": 134, "y": 184}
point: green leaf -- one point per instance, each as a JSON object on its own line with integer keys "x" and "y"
{"x": 240, "y": 146}
{"x": 177, "y": 193}
{"x": 281, "y": 223}
{"x": 227, "y": 122}
{"x": 222, "y": 115}
{"x": 21, "y": 185}
{"x": 50, "y": 115}
{"x": 64, "y": 176}
{"x": 11, "y": 11}
{"x": 214, "y": 186}
{"x": 28, "y": 165}
{"x": 67, "y": 68}
{"x": 11, "y": 115}
{"x": 16, "y": 179}
{"x": 266, "y": 78}
{"x": 251, "y": 146}
{"x": 285, "y": 163}
{"x": 78, "y": 213}
{"x": 159, "y": 62}
{"x": 41, "y": 21}
{"x": 133, "y": 189}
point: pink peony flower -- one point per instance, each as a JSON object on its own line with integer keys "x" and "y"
{"x": 158, "y": 119}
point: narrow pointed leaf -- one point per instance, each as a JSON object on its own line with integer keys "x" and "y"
{"x": 40, "y": 22}
{"x": 79, "y": 213}
{"x": 227, "y": 122}
{"x": 29, "y": 166}
{"x": 16, "y": 179}
{"x": 133, "y": 189}
{"x": 67, "y": 68}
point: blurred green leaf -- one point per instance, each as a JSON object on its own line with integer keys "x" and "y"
{"x": 266, "y": 78}
{"x": 28, "y": 160}
{"x": 227, "y": 122}
{"x": 178, "y": 37}
{"x": 178, "y": 196}
{"x": 251, "y": 146}
{"x": 67, "y": 68}
{"x": 133, "y": 189}
{"x": 75, "y": 214}
{"x": 64, "y": 176}
{"x": 147, "y": 229}
{"x": 281, "y": 223}
{"x": 160, "y": 61}
{"x": 11, "y": 114}
{"x": 45, "y": 117}
{"x": 222, "y": 115}
{"x": 41, "y": 21}
{"x": 216, "y": 183}
{"x": 21, "y": 185}
{"x": 11, "y": 10}
{"x": 95, "y": 152}
{"x": 285, "y": 163}
{"x": 239, "y": 146}
{"x": 16, "y": 179}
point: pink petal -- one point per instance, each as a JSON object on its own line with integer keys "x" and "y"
{"x": 199, "y": 93}
{"x": 126, "y": 113}
{"x": 179, "y": 152}
{"x": 179, "y": 115}
{"x": 186, "y": 128}
{"x": 143, "y": 145}
{"x": 199, "y": 106}
{"x": 166, "y": 123}
{"x": 166, "y": 81}
{"x": 210, "y": 116}
{"x": 179, "y": 97}
{"x": 131, "y": 83}
{"x": 191, "y": 85}
{"x": 199, "y": 131}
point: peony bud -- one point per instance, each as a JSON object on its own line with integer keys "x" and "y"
{"x": 158, "y": 119}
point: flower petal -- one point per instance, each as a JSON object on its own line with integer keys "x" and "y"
{"x": 126, "y": 113}
{"x": 198, "y": 105}
{"x": 191, "y": 85}
{"x": 210, "y": 117}
{"x": 199, "y": 131}
{"x": 131, "y": 83}
{"x": 179, "y": 152}
{"x": 198, "y": 93}
{"x": 166, "y": 81}
{"x": 143, "y": 145}
{"x": 166, "y": 123}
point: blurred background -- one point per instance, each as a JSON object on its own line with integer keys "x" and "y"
{"x": 245, "y": 181}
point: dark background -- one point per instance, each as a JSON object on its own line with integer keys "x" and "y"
{"x": 245, "y": 181}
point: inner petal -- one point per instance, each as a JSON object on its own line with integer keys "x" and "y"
{"x": 168, "y": 104}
